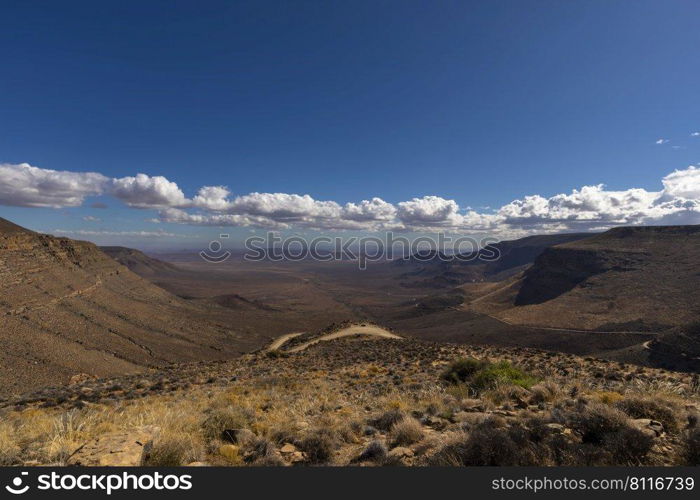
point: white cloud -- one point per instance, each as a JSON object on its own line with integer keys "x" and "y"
{"x": 26, "y": 186}
{"x": 586, "y": 208}
{"x": 695, "y": 134}
{"x": 140, "y": 234}
{"x": 682, "y": 184}
{"x": 375, "y": 209}
{"x": 662, "y": 141}
{"x": 594, "y": 206}
{"x": 91, "y": 218}
{"x": 212, "y": 198}
{"x": 429, "y": 211}
{"x": 144, "y": 191}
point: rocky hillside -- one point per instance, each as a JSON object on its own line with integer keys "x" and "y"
{"x": 370, "y": 401}
{"x": 514, "y": 256}
{"x": 138, "y": 262}
{"x": 69, "y": 309}
{"x": 641, "y": 278}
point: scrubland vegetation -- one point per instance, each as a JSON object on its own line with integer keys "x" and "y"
{"x": 385, "y": 404}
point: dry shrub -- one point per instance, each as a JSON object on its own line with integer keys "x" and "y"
{"x": 492, "y": 443}
{"x": 407, "y": 432}
{"x": 260, "y": 451}
{"x": 375, "y": 451}
{"x": 669, "y": 413}
{"x": 504, "y": 392}
{"x": 221, "y": 419}
{"x": 607, "y": 436}
{"x": 9, "y": 451}
{"x": 595, "y": 421}
{"x": 173, "y": 450}
{"x": 608, "y": 397}
{"x": 544, "y": 392}
{"x": 388, "y": 419}
{"x": 319, "y": 445}
{"x": 691, "y": 448}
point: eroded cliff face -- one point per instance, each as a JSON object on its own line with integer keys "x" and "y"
{"x": 627, "y": 279}
{"x": 559, "y": 269}
{"x": 67, "y": 308}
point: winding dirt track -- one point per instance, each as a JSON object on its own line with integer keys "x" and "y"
{"x": 369, "y": 330}
{"x": 280, "y": 341}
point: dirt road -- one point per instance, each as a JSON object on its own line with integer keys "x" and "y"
{"x": 369, "y": 330}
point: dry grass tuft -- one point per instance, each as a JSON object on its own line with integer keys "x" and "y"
{"x": 545, "y": 392}
{"x": 406, "y": 432}
{"x": 174, "y": 449}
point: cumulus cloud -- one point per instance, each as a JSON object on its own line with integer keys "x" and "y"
{"x": 375, "y": 209}
{"x": 26, "y": 186}
{"x": 662, "y": 141}
{"x": 682, "y": 184}
{"x": 142, "y": 234}
{"x": 595, "y": 207}
{"x": 143, "y": 191}
{"x": 695, "y": 134}
{"x": 428, "y": 211}
{"x": 587, "y": 208}
{"x": 212, "y": 198}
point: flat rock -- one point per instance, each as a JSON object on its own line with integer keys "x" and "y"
{"x": 116, "y": 449}
{"x": 401, "y": 452}
{"x": 649, "y": 427}
{"x": 288, "y": 448}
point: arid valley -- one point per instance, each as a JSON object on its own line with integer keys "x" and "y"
{"x": 564, "y": 350}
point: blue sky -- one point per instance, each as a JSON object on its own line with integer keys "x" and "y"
{"x": 475, "y": 103}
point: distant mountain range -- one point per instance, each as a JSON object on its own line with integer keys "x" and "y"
{"x": 514, "y": 256}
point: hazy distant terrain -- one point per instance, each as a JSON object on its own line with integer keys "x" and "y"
{"x": 70, "y": 309}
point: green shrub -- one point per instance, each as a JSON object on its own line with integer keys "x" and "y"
{"x": 502, "y": 373}
{"x": 462, "y": 370}
{"x": 474, "y": 376}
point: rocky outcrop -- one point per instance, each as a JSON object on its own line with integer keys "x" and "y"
{"x": 118, "y": 449}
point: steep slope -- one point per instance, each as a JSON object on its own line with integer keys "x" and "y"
{"x": 139, "y": 262}
{"x": 66, "y": 308}
{"x": 641, "y": 278}
{"x": 514, "y": 256}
